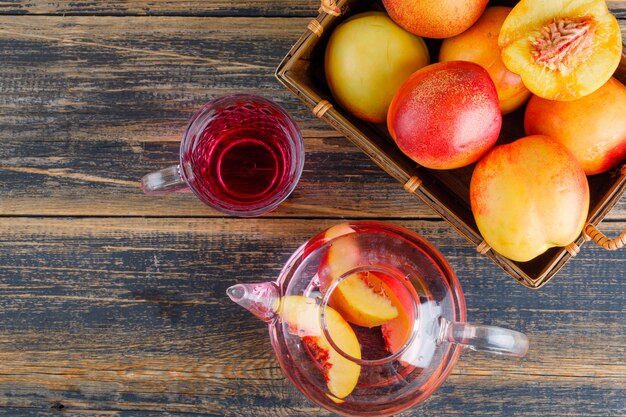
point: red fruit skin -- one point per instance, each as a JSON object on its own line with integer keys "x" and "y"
{"x": 446, "y": 115}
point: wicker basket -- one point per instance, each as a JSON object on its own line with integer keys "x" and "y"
{"x": 446, "y": 192}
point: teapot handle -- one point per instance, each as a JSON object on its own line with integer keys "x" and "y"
{"x": 485, "y": 338}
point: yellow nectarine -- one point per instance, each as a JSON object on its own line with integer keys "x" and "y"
{"x": 367, "y": 57}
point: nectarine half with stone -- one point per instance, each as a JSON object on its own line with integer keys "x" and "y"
{"x": 562, "y": 49}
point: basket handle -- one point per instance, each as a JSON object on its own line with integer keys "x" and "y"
{"x": 590, "y": 232}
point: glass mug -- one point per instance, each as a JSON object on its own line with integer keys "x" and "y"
{"x": 369, "y": 319}
{"x": 241, "y": 154}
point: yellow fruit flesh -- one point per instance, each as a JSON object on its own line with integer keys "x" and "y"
{"x": 588, "y": 34}
{"x": 360, "y": 304}
{"x": 302, "y": 315}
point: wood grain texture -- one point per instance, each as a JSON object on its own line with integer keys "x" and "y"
{"x": 188, "y": 7}
{"x": 129, "y": 316}
{"x": 113, "y": 303}
{"x": 164, "y": 8}
{"x": 90, "y": 104}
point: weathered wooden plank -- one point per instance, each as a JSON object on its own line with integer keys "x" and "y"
{"x": 128, "y": 316}
{"x": 134, "y": 78}
{"x": 160, "y": 8}
{"x": 90, "y": 104}
{"x": 101, "y": 178}
{"x": 187, "y": 7}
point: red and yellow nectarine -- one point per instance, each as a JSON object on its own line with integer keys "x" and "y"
{"x": 446, "y": 115}
{"x": 435, "y": 18}
{"x": 479, "y": 44}
{"x": 528, "y": 196}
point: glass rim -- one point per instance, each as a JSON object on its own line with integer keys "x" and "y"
{"x": 294, "y": 136}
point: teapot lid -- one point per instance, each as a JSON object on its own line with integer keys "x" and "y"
{"x": 357, "y": 324}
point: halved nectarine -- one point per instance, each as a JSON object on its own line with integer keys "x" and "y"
{"x": 562, "y": 49}
{"x": 302, "y": 315}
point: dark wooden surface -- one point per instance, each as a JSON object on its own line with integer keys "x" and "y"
{"x": 113, "y": 304}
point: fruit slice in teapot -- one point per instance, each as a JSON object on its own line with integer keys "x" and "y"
{"x": 360, "y": 297}
{"x": 396, "y": 332}
{"x": 529, "y": 196}
{"x": 302, "y": 315}
{"x": 562, "y": 49}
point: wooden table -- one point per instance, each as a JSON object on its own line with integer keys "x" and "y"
{"x": 113, "y": 303}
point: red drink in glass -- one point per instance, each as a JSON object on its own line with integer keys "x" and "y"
{"x": 241, "y": 154}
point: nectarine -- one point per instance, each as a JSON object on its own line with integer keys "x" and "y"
{"x": 302, "y": 316}
{"x": 592, "y": 127}
{"x": 479, "y": 44}
{"x": 562, "y": 49}
{"x": 446, "y": 115}
{"x": 367, "y": 57}
{"x": 528, "y": 196}
{"x": 435, "y": 18}
{"x": 354, "y": 297}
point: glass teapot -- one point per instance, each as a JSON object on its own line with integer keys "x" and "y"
{"x": 367, "y": 318}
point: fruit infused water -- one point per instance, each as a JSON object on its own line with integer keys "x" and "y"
{"x": 367, "y": 318}
{"x": 362, "y": 324}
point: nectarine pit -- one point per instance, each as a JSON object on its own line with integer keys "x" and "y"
{"x": 564, "y": 43}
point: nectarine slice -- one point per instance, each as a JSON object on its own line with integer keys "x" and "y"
{"x": 302, "y": 316}
{"x": 359, "y": 303}
{"x": 396, "y": 332}
{"x": 354, "y": 297}
{"x": 562, "y": 49}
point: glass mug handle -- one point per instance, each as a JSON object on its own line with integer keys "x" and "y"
{"x": 485, "y": 338}
{"x": 164, "y": 181}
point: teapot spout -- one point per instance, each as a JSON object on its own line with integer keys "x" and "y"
{"x": 261, "y": 299}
